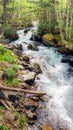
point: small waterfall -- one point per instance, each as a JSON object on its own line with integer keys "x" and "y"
{"x": 54, "y": 81}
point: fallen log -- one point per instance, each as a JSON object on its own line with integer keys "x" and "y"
{"x": 22, "y": 91}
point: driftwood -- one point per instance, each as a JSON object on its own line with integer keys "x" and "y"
{"x": 23, "y": 91}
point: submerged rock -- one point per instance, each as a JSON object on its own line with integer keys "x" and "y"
{"x": 32, "y": 47}
{"x": 26, "y": 30}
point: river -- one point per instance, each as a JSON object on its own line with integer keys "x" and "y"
{"x": 55, "y": 81}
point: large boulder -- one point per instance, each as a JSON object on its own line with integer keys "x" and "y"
{"x": 36, "y": 68}
{"x": 48, "y": 39}
{"x": 68, "y": 59}
{"x": 36, "y": 37}
{"x": 32, "y": 47}
{"x": 29, "y": 77}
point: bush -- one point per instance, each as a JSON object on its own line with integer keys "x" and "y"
{"x": 9, "y": 32}
{"x": 43, "y": 28}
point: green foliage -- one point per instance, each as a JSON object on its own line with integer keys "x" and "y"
{"x": 13, "y": 82}
{"x": 22, "y": 120}
{"x": 1, "y": 107}
{"x": 10, "y": 75}
{"x": 6, "y": 55}
{"x": 2, "y": 50}
{"x": 3, "y": 127}
{"x": 43, "y": 28}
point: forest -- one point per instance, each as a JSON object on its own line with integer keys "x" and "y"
{"x": 36, "y": 64}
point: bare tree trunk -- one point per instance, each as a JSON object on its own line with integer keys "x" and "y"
{"x": 4, "y": 16}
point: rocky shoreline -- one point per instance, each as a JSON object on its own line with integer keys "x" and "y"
{"x": 15, "y": 103}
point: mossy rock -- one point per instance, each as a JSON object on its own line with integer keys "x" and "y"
{"x": 48, "y": 37}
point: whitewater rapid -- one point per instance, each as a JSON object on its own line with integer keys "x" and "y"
{"x": 54, "y": 80}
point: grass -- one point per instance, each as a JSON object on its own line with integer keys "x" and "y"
{"x": 6, "y": 55}
{"x": 22, "y": 120}
{"x": 3, "y": 127}
{"x": 8, "y": 64}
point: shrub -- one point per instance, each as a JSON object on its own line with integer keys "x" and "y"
{"x": 43, "y": 28}
{"x": 9, "y": 32}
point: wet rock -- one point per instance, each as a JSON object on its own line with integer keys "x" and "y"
{"x": 29, "y": 77}
{"x": 2, "y": 95}
{"x": 25, "y": 86}
{"x": 1, "y": 74}
{"x": 18, "y": 47}
{"x": 26, "y": 30}
{"x": 26, "y": 58}
{"x": 36, "y": 68}
{"x": 17, "y": 52}
{"x": 32, "y": 47}
{"x": 68, "y": 59}
{"x": 30, "y": 104}
{"x": 13, "y": 97}
{"x": 36, "y": 37}
{"x": 45, "y": 127}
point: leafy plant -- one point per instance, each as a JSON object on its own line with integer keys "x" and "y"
{"x": 3, "y": 127}
{"x": 43, "y": 28}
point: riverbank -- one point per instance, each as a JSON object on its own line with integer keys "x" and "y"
{"x": 18, "y": 110}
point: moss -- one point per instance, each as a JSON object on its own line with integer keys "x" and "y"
{"x": 48, "y": 37}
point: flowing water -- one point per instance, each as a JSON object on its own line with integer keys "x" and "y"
{"x": 54, "y": 80}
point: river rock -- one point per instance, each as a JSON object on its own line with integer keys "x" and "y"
{"x": 32, "y": 47}
{"x": 45, "y": 127}
{"x": 18, "y": 47}
{"x": 68, "y": 59}
{"x": 25, "y": 86}
{"x": 26, "y": 30}
{"x": 29, "y": 77}
{"x": 30, "y": 104}
{"x": 36, "y": 68}
{"x": 31, "y": 115}
{"x": 26, "y": 58}
{"x": 13, "y": 97}
{"x": 36, "y": 37}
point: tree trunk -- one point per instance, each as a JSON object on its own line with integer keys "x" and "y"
{"x": 4, "y": 15}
